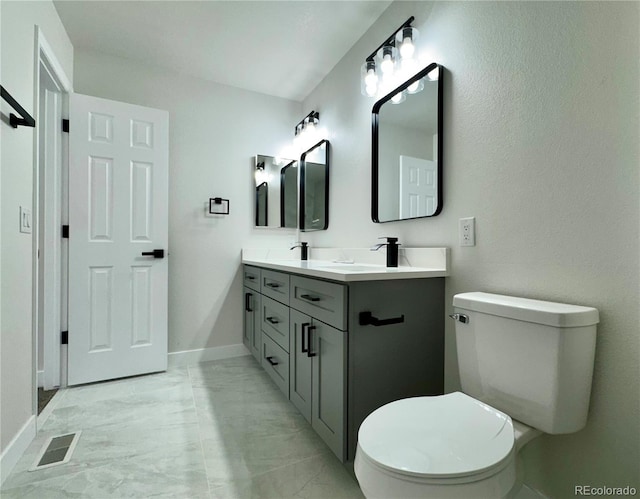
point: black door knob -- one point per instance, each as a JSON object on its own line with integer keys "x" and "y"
{"x": 156, "y": 253}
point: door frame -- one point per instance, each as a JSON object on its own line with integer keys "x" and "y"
{"x": 45, "y": 59}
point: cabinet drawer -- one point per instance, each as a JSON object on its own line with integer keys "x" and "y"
{"x": 275, "y": 285}
{"x": 323, "y": 300}
{"x": 274, "y": 321}
{"x": 252, "y": 277}
{"x": 275, "y": 362}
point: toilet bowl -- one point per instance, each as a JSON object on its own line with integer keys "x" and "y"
{"x": 518, "y": 358}
{"x": 443, "y": 446}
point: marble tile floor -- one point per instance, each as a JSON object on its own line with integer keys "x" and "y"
{"x": 220, "y": 429}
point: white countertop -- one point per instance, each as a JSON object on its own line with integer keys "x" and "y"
{"x": 363, "y": 265}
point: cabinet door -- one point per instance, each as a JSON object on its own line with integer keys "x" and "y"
{"x": 249, "y": 324}
{"x": 300, "y": 363}
{"x": 328, "y": 385}
{"x": 256, "y": 342}
{"x": 252, "y": 335}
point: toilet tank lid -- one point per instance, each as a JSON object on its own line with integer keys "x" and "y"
{"x": 525, "y": 309}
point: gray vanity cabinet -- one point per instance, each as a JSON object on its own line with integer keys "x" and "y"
{"x": 341, "y": 350}
{"x": 317, "y": 367}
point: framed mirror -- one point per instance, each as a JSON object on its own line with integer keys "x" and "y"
{"x": 314, "y": 187}
{"x": 407, "y": 149}
{"x": 267, "y": 190}
{"x": 289, "y": 195}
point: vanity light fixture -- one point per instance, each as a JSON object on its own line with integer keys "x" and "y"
{"x": 307, "y": 133}
{"x": 391, "y": 63}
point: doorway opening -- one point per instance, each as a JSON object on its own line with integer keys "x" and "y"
{"x": 49, "y": 269}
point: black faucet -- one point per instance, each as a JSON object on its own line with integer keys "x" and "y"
{"x": 304, "y": 250}
{"x": 392, "y": 250}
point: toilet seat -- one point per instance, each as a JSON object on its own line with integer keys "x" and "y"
{"x": 450, "y": 437}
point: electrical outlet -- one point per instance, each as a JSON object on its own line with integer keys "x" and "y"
{"x": 467, "y": 231}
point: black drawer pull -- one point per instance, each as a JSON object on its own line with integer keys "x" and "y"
{"x": 366, "y": 319}
{"x": 304, "y": 325}
{"x": 309, "y": 352}
{"x": 250, "y": 277}
{"x": 247, "y": 304}
{"x": 272, "y": 285}
{"x": 271, "y": 361}
{"x": 272, "y": 320}
{"x": 310, "y": 298}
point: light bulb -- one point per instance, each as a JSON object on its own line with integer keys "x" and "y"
{"x": 416, "y": 87}
{"x": 371, "y": 79}
{"x": 371, "y": 90}
{"x": 406, "y": 40}
{"x": 387, "y": 64}
{"x": 310, "y": 133}
{"x": 398, "y": 98}
{"x": 407, "y": 48}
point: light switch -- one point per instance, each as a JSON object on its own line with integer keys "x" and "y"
{"x": 25, "y": 220}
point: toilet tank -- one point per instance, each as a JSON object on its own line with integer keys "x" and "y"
{"x": 528, "y": 358}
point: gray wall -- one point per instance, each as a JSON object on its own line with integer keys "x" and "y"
{"x": 16, "y": 171}
{"x": 541, "y": 146}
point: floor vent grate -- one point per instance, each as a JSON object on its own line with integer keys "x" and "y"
{"x": 56, "y": 451}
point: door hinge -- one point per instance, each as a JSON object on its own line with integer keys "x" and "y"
{"x": 65, "y": 232}
{"x": 64, "y": 338}
{"x": 65, "y": 126}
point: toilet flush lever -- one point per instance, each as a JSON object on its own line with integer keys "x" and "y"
{"x": 460, "y": 318}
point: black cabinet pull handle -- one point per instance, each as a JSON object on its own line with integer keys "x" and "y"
{"x": 272, "y": 320}
{"x": 309, "y": 352}
{"x": 305, "y": 348}
{"x": 271, "y": 361}
{"x": 250, "y": 277}
{"x": 366, "y": 319}
{"x": 272, "y": 285}
{"x": 247, "y": 305}
{"x": 156, "y": 253}
{"x": 309, "y": 298}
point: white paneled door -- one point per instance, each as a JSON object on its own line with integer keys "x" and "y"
{"x": 418, "y": 187}
{"x": 118, "y": 219}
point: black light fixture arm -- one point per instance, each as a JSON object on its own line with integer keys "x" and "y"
{"x": 391, "y": 39}
{"x": 25, "y": 118}
{"x": 313, "y": 114}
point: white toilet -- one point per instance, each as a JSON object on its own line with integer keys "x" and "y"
{"x": 525, "y": 369}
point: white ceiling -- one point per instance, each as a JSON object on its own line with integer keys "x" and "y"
{"x": 280, "y": 48}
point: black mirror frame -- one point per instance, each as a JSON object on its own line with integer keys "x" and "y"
{"x": 375, "y": 127}
{"x": 282, "y": 184}
{"x": 303, "y": 165}
{"x": 266, "y": 204}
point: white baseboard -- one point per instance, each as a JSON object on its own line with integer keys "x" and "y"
{"x": 16, "y": 448}
{"x": 40, "y": 379}
{"x": 193, "y": 357}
